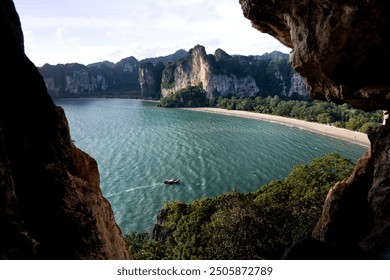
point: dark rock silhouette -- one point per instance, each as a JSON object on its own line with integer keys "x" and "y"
{"x": 51, "y": 205}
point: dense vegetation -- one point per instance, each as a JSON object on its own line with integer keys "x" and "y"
{"x": 318, "y": 111}
{"x": 344, "y": 116}
{"x": 191, "y": 96}
{"x": 257, "y": 225}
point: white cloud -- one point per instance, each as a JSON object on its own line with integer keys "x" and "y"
{"x": 87, "y": 31}
{"x": 59, "y": 36}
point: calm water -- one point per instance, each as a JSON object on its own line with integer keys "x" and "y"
{"x": 138, "y": 145}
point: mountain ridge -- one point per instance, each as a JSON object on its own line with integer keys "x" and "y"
{"x": 147, "y": 78}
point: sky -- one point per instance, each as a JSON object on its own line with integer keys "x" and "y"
{"x": 88, "y": 31}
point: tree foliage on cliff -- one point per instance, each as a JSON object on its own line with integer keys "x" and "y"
{"x": 191, "y": 96}
{"x": 257, "y": 225}
{"x": 318, "y": 111}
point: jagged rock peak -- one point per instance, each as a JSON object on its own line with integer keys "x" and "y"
{"x": 274, "y": 55}
{"x": 105, "y": 63}
{"x": 198, "y": 50}
{"x": 221, "y": 54}
{"x": 224, "y": 75}
{"x": 166, "y": 59}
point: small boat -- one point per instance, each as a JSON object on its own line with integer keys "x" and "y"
{"x": 171, "y": 182}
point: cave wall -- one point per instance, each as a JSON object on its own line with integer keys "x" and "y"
{"x": 341, "y": 46}
{"x": 342, "y": 49}
{"x": 51, "y": 204}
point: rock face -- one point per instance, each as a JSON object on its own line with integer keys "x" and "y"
{"x": 241, "y": 76}
{"x": 220, "y": 75}
{"x": 150, "y": 80}
{"x": 51, "y": 205}
{"x": 342, "y": 48}
{"x": 98, "y": 80}
{"x": 127, "y": 78}
{"x": 157, "y": 233}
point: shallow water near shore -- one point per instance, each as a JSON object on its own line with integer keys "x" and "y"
{"x": 138, "y": 145}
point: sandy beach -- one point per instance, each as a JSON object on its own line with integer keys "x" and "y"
{"x": 332, "y": 131}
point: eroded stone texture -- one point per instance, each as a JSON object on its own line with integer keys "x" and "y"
{"x": 51, "y": 205}
{"x": 197, "y": 68}
{"x": 341, "y": 47}
{"x": 378, "y": 240}
{"x": 347, "y": 217}
{"x": 357, "y": 209}
{"x": 224, "y": 75}
{"x": 150, "y": 79}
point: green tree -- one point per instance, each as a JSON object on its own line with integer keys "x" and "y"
{"x": 191, "y": 96}
{"x": 325, "y": 118}
{"x": 319, "y": 111}
{"x": 141, "y": 247}
{"x": 257, "y": 225}
{"x": 232, "y": 103}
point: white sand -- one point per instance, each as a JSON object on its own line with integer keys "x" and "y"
{"x": 336, "y": 132}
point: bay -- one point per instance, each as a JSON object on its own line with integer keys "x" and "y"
{"x": 138, "y": 145}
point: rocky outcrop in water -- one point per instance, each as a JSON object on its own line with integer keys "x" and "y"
{"x": 51, "y": 204}
{"x": 241, "y": 76}
{"x": 342, "y": 48}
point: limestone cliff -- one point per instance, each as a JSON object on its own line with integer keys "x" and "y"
{"x": 224, "y": 75}
{"x": 107, "y": 79}
{"x": 51, "y": 205}
{"x": 220, "y": 74}
{"x": 150, "y": 80}
{"x": 98, "y": 79}
{"x": 342, "y": 48}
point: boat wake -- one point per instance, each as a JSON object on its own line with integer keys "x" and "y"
{"x": 154, "y": 185}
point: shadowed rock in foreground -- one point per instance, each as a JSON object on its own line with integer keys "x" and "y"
{"x": 51, "y": 205}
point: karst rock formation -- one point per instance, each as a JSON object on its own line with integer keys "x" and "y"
{"x": 342, "y": 48}
{"x": 51, "y": 205}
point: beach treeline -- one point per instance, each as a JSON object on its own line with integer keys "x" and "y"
{"x": 343, "y": 116}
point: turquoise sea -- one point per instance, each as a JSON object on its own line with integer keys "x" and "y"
{"x": 138, "y": 145}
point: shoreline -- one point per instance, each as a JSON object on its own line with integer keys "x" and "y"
{"x": 327, "y": 130}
